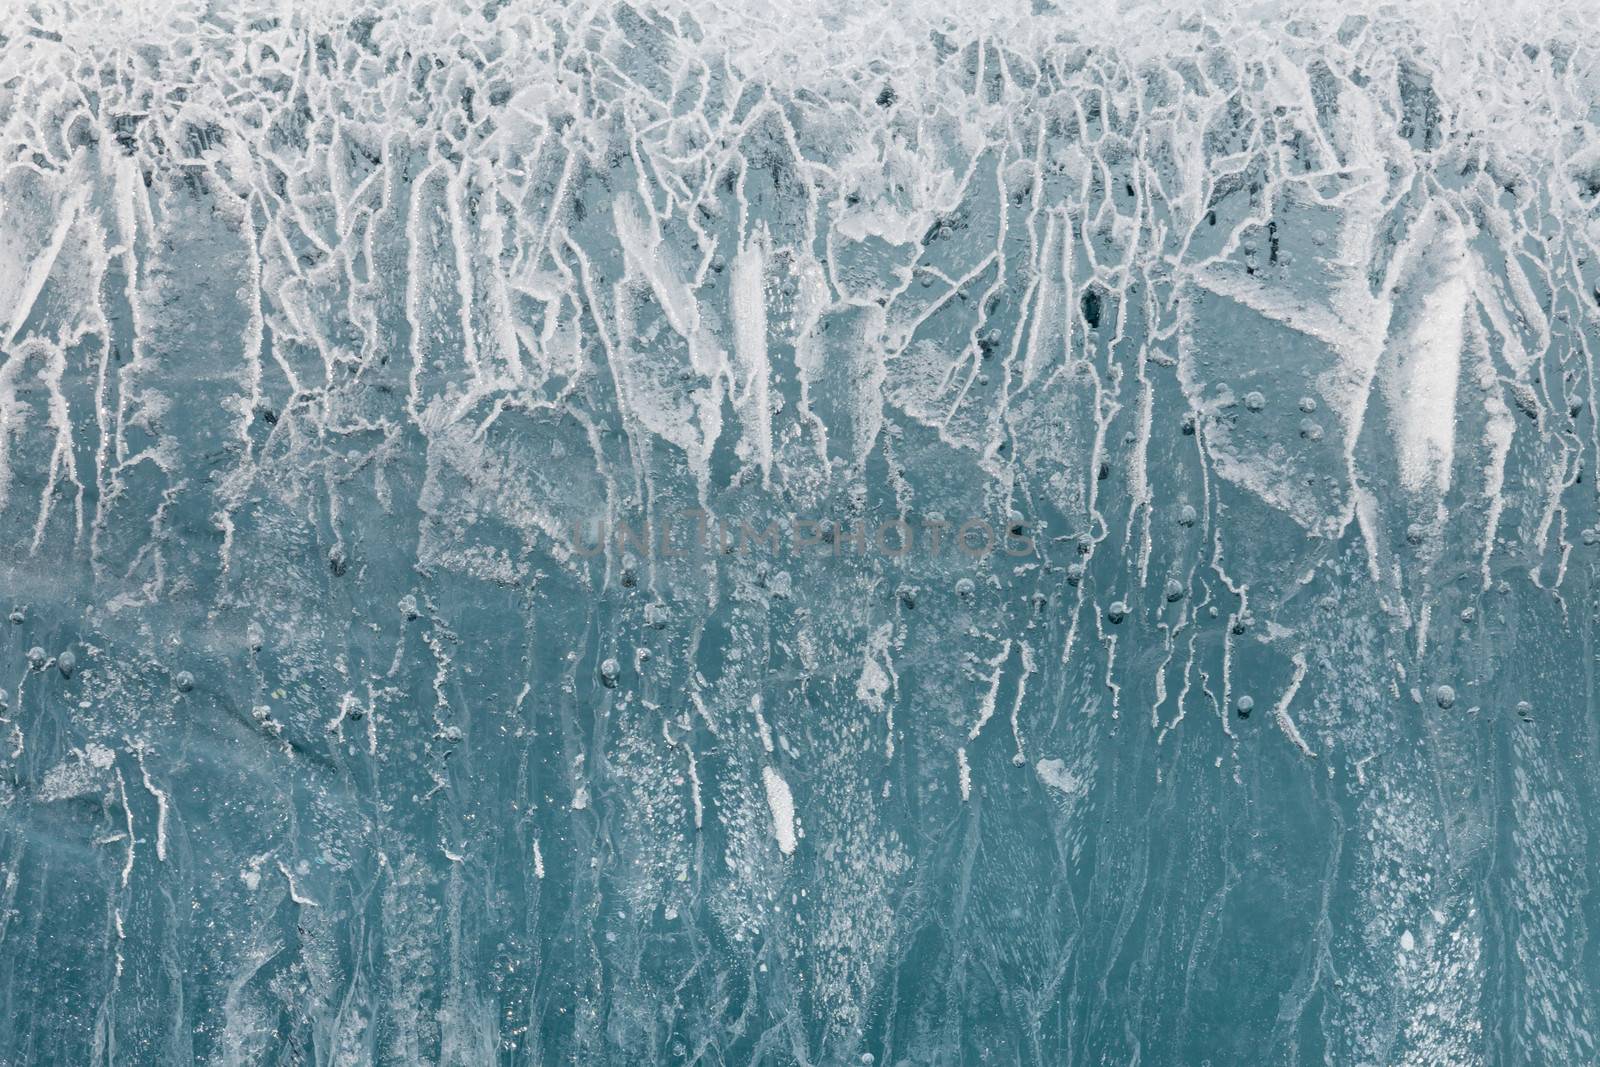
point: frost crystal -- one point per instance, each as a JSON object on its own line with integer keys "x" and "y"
{"x": 635, "y": 532}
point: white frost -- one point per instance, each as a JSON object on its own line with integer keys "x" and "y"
{"x": 781, "y": 801}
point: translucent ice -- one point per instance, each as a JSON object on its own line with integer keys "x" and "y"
{"x": 659, "y": 533}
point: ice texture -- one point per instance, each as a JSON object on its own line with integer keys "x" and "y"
{"x": 632, "y": 532}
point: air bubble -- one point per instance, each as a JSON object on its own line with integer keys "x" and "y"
{"x": 1414, "y": 534}
{"x": 66, "y": 663}
{"x": 1074, "y": 573}
{"x": 184, "y": 681}
{"x": 1446, "y": 696}
{"x": 1117, "y": 612}
{"x": 1187, "y": 515}
{"x": 1174, "y": 590}
{"x": 1254, "y": 400}
{"x": 1310, "y": 430}
{"x": 1307, "y": 404}
{"x": 36, "y": 658}
{"x": 965, "y": 588}
{"x": 1244, "y": 706}
{"x": 610, "y": 669}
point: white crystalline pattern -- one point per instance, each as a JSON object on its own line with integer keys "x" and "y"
{"x": 704, "y": 533}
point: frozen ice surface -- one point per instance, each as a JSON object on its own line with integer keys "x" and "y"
{"x": 625, "y": 533}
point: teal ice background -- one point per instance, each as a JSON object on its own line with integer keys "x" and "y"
{"x": 339, "y": 343}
